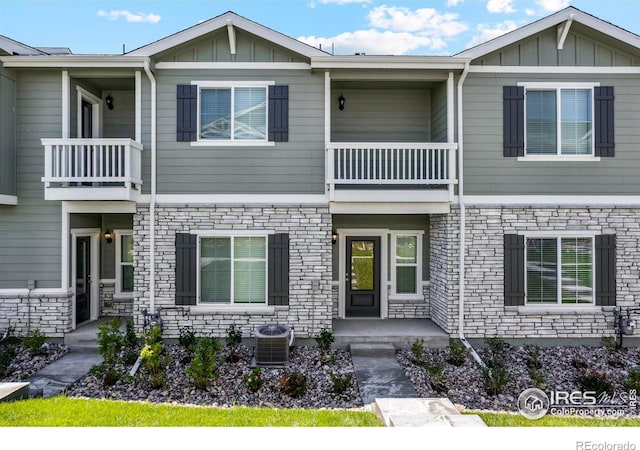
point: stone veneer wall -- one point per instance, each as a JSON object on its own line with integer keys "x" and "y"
{"x": 309, "y": 231}
{"x": 485, "y": 313}
{"x": 110, "y": 304}
{"x": 410, "y": 309}
{"x": 47, "y": 312}
{"x": 443, "y": 268}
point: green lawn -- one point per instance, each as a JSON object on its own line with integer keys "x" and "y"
{"x": 72, "y": 412}
{"x": 517, "y": 420}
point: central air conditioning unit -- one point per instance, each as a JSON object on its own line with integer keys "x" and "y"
{"x": 272, "y": 345}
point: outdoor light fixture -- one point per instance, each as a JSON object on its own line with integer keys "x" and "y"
{"x": 109, "y": 101}
{"x": 334, "y": 236}
{"x": 108, "y": 236}
{"x": 341, "y": 101}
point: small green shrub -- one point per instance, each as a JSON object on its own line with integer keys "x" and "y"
{"x": 233, "y": 340}
{"x": 495, "y": 379}
{"x": 203, "y": 367}
{"x": 152, "y": 359}
{"x": 595, "y": 381}
{"x": 130, "y": 344}
{"x": 533, "y": 361}
{"x": 110, "y": 341}
{"x": 340, "y": 384}
{"x": 34, "y": 342}
{"x": 294, "y": 384}
{"x": 457, "y": 352}
{"x": 107, "y": 374}
{"x": 436, "y": 376}
{"x": 417, "y": 348}
{"x": 497, "y": 347}
{"x": 632, "y": 382}
{"x": 324, "y": 339}
{"x": 7, "y": 355}
{"x": 609, "y": 342}
{"x": 537, "y": 376}
{"x": 254, "y": 380}
{"x": 187, "y": 339}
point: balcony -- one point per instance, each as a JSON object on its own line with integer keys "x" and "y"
{"x": 391, "y": 177}
{"x": 92, "y": 169}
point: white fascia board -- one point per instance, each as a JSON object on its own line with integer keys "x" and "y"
{"x": 388, "y": 62}
{"x": 233, "y": 65}
{"x": 238, "y": 199}
{"x": 553, "y": 200}
{"x": 554, "y": 70}
{"x": 72, "y": 61}
{"x": 219, "y": 22}
{"x": 548, "y": 22}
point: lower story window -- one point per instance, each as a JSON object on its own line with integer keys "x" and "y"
{"x": 233, "y": 270}
{"x": 124, "y": 261}
{"x": 406, "y": 263}
{"x": 560, "y": 270}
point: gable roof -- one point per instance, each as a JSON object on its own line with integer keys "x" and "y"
{"x": 568, "y": 14}
{"x": 222, "y": 21}
{"x": 13, "y": 47}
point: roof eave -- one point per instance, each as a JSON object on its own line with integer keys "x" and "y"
{"x": 220, "y": 22}
{"x": 547, "y": 22}
{"x": 72, "y": 61}
{"x": 389, "y": 62}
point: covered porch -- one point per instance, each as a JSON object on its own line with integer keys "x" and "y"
{"x": 399, "y": 332}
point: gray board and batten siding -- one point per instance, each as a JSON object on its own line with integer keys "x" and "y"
{"x": 214, "y": 47}
{"x": 30, "y": 232}
{"x": 293, "y": 167}
{"x": 7, "y": 132}
{"x": 583, "y": 46}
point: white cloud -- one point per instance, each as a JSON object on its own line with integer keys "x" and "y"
{"x": 374, "y": 42}
{"x": 553, "y": 5}
{"x": 530, "y": 12}
{"x": 487, "y": 32}
{"x": 451, "y": 3}
{"x": 337, "y": 2}
{"x": 129, "y": 16}
{"x": 500, "y": 6}
{"x": 424, "y": 21}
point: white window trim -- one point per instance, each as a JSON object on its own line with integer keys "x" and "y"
{"x": 96, "y": 112}
{"x": 558, "y": 86}
{"x": 118, "y": 241}
{"x": 231, "y": 305}
{"x": 392, "y": 283}
{"x": 559, "y": 235}
{"x": 232, "y": 142}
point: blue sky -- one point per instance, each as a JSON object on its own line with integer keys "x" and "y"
{"x": 418, "y": 27}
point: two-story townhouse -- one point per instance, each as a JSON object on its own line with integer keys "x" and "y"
{"x": 229, "y": 174}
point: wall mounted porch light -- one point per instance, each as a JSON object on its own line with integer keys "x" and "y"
{"x": 109, "y": 101}
{"x": 334, "y": 236}
{"x": 108, "y": 236}
{"x": 341, "y": 101}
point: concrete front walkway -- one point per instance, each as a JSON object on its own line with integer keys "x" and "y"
{"x": 53, "y": 379}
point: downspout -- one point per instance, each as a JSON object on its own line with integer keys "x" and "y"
{"x": 463, "y": 227}
{"x": 152, "y": 198}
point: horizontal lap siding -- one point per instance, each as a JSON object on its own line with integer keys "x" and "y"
{"x": 487, "y": 172}
{"x": 294, "y": 167}
{"x": 7, "y": 133}
{"x": 30, "y": 232}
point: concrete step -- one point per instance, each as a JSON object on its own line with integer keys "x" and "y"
{"x": 372, "y": 349}
{"x": 422, "y": 412}
{"x": 81, "y": 341}
{"x": 344, "y": 341}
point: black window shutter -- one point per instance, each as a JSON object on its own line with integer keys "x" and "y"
{"x": 514, "y": 267}
{"x": 606, "y": 270}
{"x": 278, "y": 272}
{"x": 186, "y": 266}
{"x": 279, "y": 113}
{"x": 187, "y": 113}
{"x": 603, "y": 121}
{"x": 513, "y": 121}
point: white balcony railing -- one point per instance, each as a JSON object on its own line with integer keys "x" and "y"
{"x": 81, "y": 165}
{"x": 391, "y": 164}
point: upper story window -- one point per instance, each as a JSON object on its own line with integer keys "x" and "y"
{"x": 240, "y": 113}
{"x": 559, "y": 121}
{"x": 233, "y": 113}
